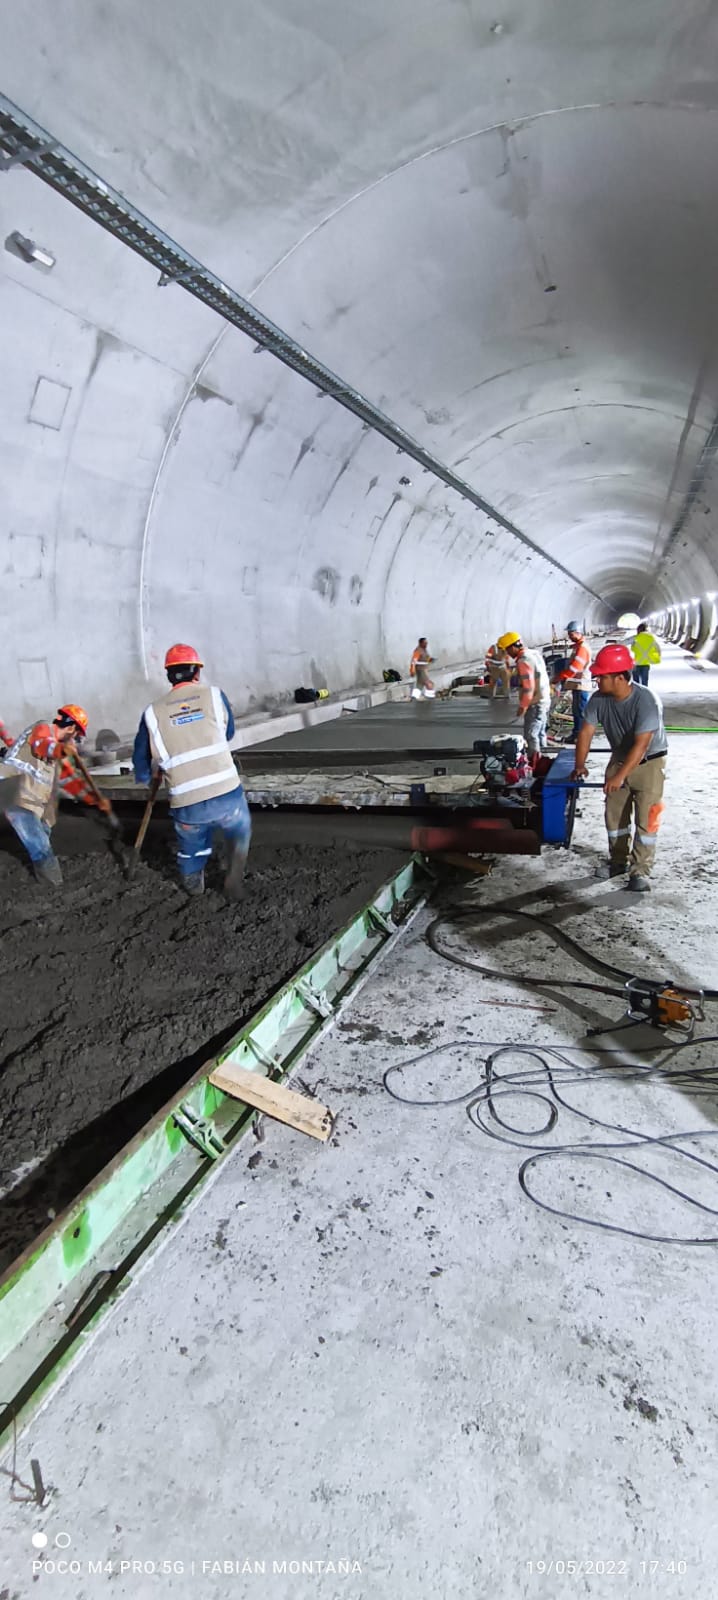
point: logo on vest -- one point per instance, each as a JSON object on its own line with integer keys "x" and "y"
{"x": 185, "y": 713}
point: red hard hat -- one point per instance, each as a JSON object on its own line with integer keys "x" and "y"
{"x": 612, "y": 658}
{"x": 77, "y": 715}
{"x": 182, "y": 655}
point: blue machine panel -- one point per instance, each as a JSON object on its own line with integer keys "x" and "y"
{"x": 558, "y": 799}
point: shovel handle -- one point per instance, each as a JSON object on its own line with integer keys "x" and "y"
{"x": 147, "y": 813}
{"x": 89, "y": 780}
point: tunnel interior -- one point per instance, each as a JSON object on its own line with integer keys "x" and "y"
{"x": 325, "y": 328}
{"x": 500, "y": 229}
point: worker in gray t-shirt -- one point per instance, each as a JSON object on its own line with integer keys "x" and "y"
{"x": 632, "y": 719}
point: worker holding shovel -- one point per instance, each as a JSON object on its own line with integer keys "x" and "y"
{"x": 186, "y": 734}
{"x": 37, "y": 768}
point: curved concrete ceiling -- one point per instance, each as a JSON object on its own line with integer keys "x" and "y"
{"x": 499, "y": 224}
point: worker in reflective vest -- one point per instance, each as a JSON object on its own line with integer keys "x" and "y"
{"x": 646, "y": 653}
{"x": 186, "y": 735}
{"x": 534, "y": 690}
{"x": 423, "y": 687}
{"x": 577, "y": 676}
{"x": 36, "y": 769}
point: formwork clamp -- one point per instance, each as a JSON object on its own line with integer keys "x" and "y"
{"x": 314, "y": 999}
{"x": 272, "y": 1063}
{"x": 380, "y": 921}
{"x": 199, "y": 1132}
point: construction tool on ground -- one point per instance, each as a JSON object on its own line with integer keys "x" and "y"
{"x": 664, "y": 1006}
{"x": 135, "y": 852}
{"x": 117, "y": 843}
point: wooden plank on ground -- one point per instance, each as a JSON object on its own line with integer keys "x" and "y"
{"x": 309, "y": 1116}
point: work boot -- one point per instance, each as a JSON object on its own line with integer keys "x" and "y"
{"x": 234, "y": 881}
{"x": 48, "y": 872}
{"x": 639, "y": 885}
{"x": 611, "y": 869}
{"x": 193, "y": 883}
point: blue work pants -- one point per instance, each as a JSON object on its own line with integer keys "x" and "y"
{"x": 33, "y": 833}
{"x": 580, "y": 698}
{"x": 227, "y": 814}
{"x": 640, "y": 675}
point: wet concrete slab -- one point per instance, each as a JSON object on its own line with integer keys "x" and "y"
{"x": 386, "y": 1354}
{"x": 116, "y": 991}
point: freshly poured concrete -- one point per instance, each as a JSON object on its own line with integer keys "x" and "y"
{"x": 379, "y": 1351}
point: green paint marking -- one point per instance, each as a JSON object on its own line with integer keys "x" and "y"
{"x": 76, "y": 1240}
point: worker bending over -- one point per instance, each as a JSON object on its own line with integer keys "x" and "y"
{"x": 534, "y": 690}
{"x": 497, "y": 671}
{"x": 632, "y": 719}
{"x": 36, "y": 769}
{"x": 423, "y": 686}
{"x": 577, "y": 676}
{"x": 186, "y": 735}
{"x": 646, "y": 653}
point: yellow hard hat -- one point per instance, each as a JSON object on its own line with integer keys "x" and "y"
{"x": 508, "y": 639}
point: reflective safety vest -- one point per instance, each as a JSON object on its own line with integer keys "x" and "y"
{"x": 534, "y": 687}
{"x": 30, "y": 783}
{"x": 188, "y": 739}
{"x": 420, "y": 658}
{"x": 578, "y": 672}
{"x": 646, "y": 650}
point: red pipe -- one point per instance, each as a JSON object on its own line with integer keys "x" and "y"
{"x": 491, "y": 837}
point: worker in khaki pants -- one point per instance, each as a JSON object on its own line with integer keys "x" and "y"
{"x": 632, "y": 719}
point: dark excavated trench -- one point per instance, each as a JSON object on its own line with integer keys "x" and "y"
{"x": 115, "y": 992}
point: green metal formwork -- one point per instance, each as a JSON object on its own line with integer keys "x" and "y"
{"x": 54, "y": 1295}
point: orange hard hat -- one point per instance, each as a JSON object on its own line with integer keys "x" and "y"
{"x": 612, "y": 658}
{"x": 77, "y": 714}
{"x": 182, "y": 655}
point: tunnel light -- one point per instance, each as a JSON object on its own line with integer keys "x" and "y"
{"x": 27, "y": 250}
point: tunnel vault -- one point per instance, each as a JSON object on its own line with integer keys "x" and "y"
{"x": 488, "y": 243}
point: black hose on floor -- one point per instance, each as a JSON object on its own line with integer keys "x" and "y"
{"x": 552, "y": 1067}
{"x": 579, "y": 951}
{"x": 540, "y": 1083}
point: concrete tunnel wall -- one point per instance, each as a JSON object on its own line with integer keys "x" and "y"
{"x": 501, "y": 227}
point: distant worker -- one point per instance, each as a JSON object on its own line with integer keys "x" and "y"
{"x": 577, "y": 676}
{"x": 498, "y": 671}
{"x": 646, "y": 653}
{"x": 423, "y": 687}
{"x": 186, "y": 735}
{"x": 534, "y": 690}
{"x": 36, "y": 769}
{"x": 632, "y": 719}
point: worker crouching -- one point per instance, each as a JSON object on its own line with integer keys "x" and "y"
{"x": 36, "y": 769}
{"x": 187, "y": 735}
{"x": 534, "y": 690}
{"x": 632, "y": 719}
